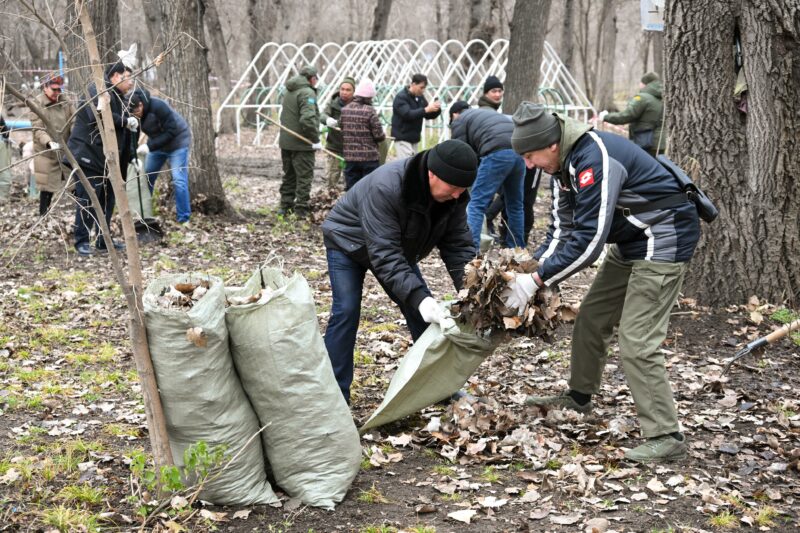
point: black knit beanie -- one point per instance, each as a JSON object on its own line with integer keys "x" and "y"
{"x": 454, "y": 162}
{"x": 457, "y": 107}
{"x": 115, "y": 68}
{"x": 492, "y": 82}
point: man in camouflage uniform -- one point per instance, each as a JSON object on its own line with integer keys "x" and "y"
{"x": 644, "y": 115}
{"x": 301, "y": 115}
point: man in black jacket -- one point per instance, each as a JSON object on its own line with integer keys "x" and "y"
{"x": 388, "y": 222}
{"x": 409, "y": 109}
{"x": 168, "y": 139}
{"x": 86, "y": 144}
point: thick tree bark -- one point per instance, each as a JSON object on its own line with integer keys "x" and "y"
{"x": 604, "y": 97}
{"x": 187, "y": 84}
{"x": 748, "y": 163}
{"x": 647, "y": 38}
{"x": 380, "y": 20}
{"x": 567, "y": 37}
{"x": 658, "y": 52}
{"x": 104, "y": 15}
{"x": 221, "y": 65}
{"x": 525, "y": 50}
{"x": 155, "y": 30}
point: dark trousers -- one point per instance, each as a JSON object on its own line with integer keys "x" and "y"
{"x": 355, "y": 170}
{"x": 45, "y": 198}
{"x": 347, "y": 282}
{"x": 532, "y": 179}
{"x": 85, "y": 218}
{"x": 298, "y": 173}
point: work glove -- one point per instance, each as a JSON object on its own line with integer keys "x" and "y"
{"x": 331, "y": 122}
{"x": 53, "y": 145}
{"x": 431, "y": 311}
{"x": 519, "y": 291}
{"x": 143, "y": 150}
{"x": 317, "y": 146}
{"x": 601, "y": 117}
{"x": 133, "y": 123}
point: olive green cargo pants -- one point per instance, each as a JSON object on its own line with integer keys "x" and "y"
{"x": 638, "y": 296}
{"x": 298, "y": 173}
{"x": 333, "y": 171}
{"x": 5, "y": 172}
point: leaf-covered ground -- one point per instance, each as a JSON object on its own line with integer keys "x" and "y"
{"x": 72, "y": 417}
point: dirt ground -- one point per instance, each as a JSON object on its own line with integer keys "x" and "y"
{"x": 72, "y": 416}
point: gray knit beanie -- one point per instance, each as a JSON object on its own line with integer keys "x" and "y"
{"x": 534, "y": 128}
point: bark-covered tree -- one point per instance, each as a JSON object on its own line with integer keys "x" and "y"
{"x": 380, "y": 20}
{"x": 747, "y": 162}
{"x": 567, "y": 30}
{"x": 604, "y": 93}
{"x": 187, "y": 84}
{"x": 525, "y": 49}
{"x": 658, "y": 52}
{"x": 105, "y": 19}
{"x": 221, "y": 66}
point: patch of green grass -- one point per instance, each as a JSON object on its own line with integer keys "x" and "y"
{"x": 263, "y": 211}
{"x": 365, "y": 464}
{"x": 444, "y": 470}
{"x": 451, "y": 498}
{"x": 422, "y": 529}
{"x": 517, "y": 466}
{"x": 381, "y": 327}
{"x": 165, "y": 263}
{"x": 553, "y": 464}
{"x": 784, "y": 315}
{"x": 313, "y": 275}
{"x": 232, "y": 185}
{"x": 764, "y": 516}
{"x": 373, "y": 495}
{"x": 669, "y": 529}
{"x": 66, "y": 520}
{"x": 724, "y": 520}
{"x": 82, "y": 494}
{"x": 490, "y": 475}
{"x": 121, "y": 430}
{"x": 378, "y": 529}
{"x": 361, "y": 358}
{"x": 34, "y": 376}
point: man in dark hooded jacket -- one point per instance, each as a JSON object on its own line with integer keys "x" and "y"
{"x": 387, "y": 223}
{"x": 86, "y": 144}
{"x": 168, "y": 140}
{"x": 300, "y": 114}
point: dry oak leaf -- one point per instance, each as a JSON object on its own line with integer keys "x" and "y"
{"x": 197, "y": 337}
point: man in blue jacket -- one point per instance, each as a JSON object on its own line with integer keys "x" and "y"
{"x": 168, "y": 139}
{"x": 409, "y": 109}
{"x": 489, "y": 134}
{"x": 86, "y": 144}
{"x": 608, "y": 190}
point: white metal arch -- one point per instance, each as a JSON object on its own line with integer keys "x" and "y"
{"x": 455, "y": 71}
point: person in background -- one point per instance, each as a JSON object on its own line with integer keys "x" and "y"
{"x": 362, "y": 134}
{"x": 333, "y": 142}
{"x": 168, "y": 142}
{"x": 492, "y": 97}
{"x": 48, "y": 168}
{"x": 5, "y": 160}
{"x": 409, "y": 109}
{"x": 644, "y": 116}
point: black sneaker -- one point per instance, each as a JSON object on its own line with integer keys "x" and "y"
{"x": 84, "y": 249}
{"x": 100, "y": 246}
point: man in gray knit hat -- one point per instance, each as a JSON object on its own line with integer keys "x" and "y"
{"x": 608, "y": 190}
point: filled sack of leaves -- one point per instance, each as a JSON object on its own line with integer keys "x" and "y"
{"x": 140, "y": 201}
{"x": 311, "y": 442}
{"x": 436, "y": 366}
{"x": 201, "y": 394}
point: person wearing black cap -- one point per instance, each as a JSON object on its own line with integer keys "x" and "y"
{"x": 611, "y": 191}
{"x": 48, "y": 169}
{"x": 492, "y": 96}
{"x": 489, "y": 134}
{"x": 86, "y": 144}
{"x": 387, "y": 223}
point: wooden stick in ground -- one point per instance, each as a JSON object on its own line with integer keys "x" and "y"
{"x": 291, "y": 132}
{"x": 132, "y": 287}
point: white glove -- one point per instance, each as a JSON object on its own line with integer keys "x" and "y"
{"x": 519, "y": 291}
{"x": 317, "y": 146}
{"x": 142, "y": 150}
{"x": 431, "y": 311}
{"x": 53, "y": 145}
{"x": 602, "y": 115}
{"x": 133, "y": 123}
{"x": 331, "y": 122}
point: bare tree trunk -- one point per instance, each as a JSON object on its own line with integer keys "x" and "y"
{"x": 658, "y": 52}
{"x": 458, "y": 24}
{"x": 584, "y": 7}
{"x": 155, "y": 30}
{"x": 480, "y": 27}
{"x": 567, "y": 37}
{"x": 380, "y": 21}
{"x": 187, "y": 84}
{"x": 34, "y": 50}
{"x": 103, "y": 14}
{"x": 604, "y": 97}
{"x": 221, "y": 65}
{"x": 647, "y": 38}
{"x": 748, "y": 163}
{"x": 263, "y": 16}
{"x": 525, "y": 50}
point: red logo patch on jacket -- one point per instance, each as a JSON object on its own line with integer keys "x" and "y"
{"x": 585, "y": 178}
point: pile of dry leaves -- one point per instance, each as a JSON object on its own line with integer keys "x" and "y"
{"x": 322, "y": 203}
{"x": 481, "y": 305}
{"x": 182, "y": 295}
